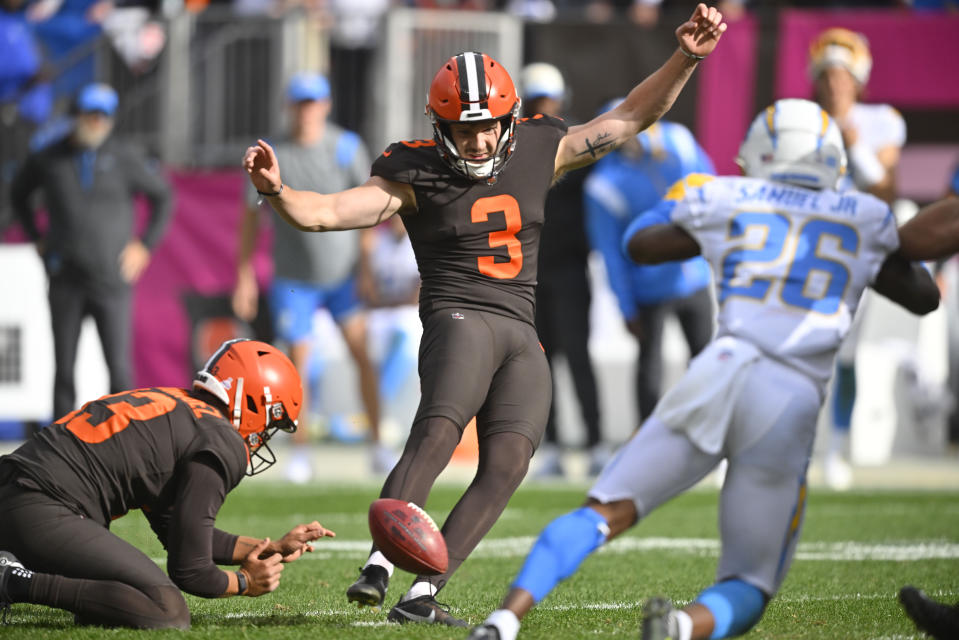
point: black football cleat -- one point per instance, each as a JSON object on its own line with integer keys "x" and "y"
{"x": 656, "y": 620}
{"x": 941, "y": 621}
{"x": 423, "y": 609}
{"x": 370, "y": 588}
{"x": 484, "y": 632}
{"x": 8, "y": 564}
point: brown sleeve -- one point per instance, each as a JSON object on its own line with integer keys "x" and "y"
{"x": 190, "y": 538}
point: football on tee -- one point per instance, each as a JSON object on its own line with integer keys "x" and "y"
{"x": 408, "y": 537}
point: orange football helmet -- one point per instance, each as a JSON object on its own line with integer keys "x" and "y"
{"x": 261, "y": 390}
{"x": 472, "y": 86}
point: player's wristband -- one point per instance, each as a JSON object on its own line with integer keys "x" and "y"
{"x": 241, "y": 583}
{"x": 272, "y": 193}
{"x": 263, "y": 194}
{"x": 691, "y": 56}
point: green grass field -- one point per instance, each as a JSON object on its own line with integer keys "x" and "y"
{"x": 858, "y": 548}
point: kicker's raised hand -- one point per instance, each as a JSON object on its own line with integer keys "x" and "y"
{"x": 699, "y": 35}
{"x": 263, "y": 168}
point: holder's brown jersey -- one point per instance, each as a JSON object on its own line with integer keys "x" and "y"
{"x": 477, "y": 243}
{"x": 122, "y": 451}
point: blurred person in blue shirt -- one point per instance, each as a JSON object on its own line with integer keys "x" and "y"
{"x": 67, "y": 30}
{"x": 623, "y": 185}
{"x": 22, "y": 91}
{"x": 25, "y": 99}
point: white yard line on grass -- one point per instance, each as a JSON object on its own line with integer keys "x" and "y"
{"x": 830, "y": 551}
{"x": 313, "y": 613}
{"x": 586, "y": 606}
{"x": 709, "y": 547}
{"x": 638, "y": 604}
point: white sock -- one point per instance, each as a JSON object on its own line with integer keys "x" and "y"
{"x": 419, "y": 588}
{"x": 680, "y": 624}
{"x": 505, "y": 622}
{"x": 380, "y": 560}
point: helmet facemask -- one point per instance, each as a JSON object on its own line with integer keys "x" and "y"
{"x": 261, "y": 391}
{"x": 486, "y": 169}
{"x": 472, "y": 87}
{"x": 261, "y": 455}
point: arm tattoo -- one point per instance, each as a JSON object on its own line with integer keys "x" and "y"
{"x": 600, "y": 145}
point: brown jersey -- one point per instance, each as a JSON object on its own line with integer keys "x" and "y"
{"x": 123, "y": 451}
{"x": 477, "y": 243}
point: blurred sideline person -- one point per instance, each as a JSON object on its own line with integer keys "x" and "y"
{"x": 355, "y": 28}
{"x": 172, "y": 453}
{"x": 390, "y": 287}
{"x": 873, "y": 134}
{"x": 623, "y": 186}
{"x": 792, "y": 257}
{"x": 562, "y": 288}
{"x": 88, "y": 182}
{"x": 472, "y": 202}
{"x": 26, "y": 95}
{"x": 313, "y": 271}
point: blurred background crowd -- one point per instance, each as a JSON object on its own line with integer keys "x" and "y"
{"x": 153, "y": 103}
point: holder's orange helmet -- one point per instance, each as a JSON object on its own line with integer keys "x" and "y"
{"x": 261, "y": 390}
{"x": 471, "y": 86}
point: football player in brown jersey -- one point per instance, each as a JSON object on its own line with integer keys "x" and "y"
{"x": 172, "y": 453}
{"x": 472, "y": 200}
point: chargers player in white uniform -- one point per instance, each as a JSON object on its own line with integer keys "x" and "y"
{"x": 840, "y": 64}
{"x": 791, "y": 257}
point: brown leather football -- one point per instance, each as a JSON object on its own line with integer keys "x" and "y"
{"x": 408, "y": 537}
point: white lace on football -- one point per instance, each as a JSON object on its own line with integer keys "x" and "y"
{"x": 422, "y": 513}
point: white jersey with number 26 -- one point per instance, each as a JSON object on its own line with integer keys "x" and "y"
{"x": 790, "y": 264}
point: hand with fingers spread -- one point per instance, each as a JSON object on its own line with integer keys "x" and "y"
{"x": 263, "y": 168}
{"x": 262, "y": 573}
{"x": 296, "y": 542}
{"x": 699, "y": 36}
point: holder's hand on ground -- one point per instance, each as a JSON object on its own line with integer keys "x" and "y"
{"x": 263, "y": 574}
{"x": 296, "y": 542}
{"x": 263, "y": 168}
{"x": 701, "y": 33}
